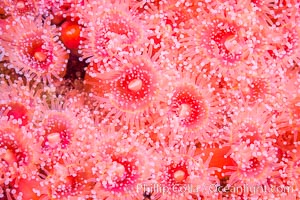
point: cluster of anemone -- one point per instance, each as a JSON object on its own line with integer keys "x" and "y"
{"x": 140, "y": 100}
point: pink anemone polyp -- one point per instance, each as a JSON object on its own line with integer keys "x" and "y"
{"x": 58, "y": 131}
{"x": 16, "y": 111}
{"x": 11, "y": 150}
{"x": 223, "y": 36}
{"x": 177, "y": 173}
{"x": 33, "y": 48}
{"x": 39, "y": 57}
{"x": 189, "y": 106}
{"x": 109, "y": 29}
{"x": 124, "y": 170}
{"x": 135, "y": 88}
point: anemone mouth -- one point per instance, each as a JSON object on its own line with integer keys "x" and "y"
{"x": 16, "y": 111}
{"x": 174, "y": 174}
{"x": 58, "y": 131}
{"x": 248, "y": 133}
{"x": 254, "y": 168}
{"x": 21, "y": 4}
{"x": 222, "y": 39}
{"x": 11, "y": 151}
{"x": 135, "y": 85}
{"x": 177, "y": 173}
{"x": 189, "y": 106}
{"x": 36, "y": 54}
{"x": 124, "y": 173}
{"x": 135, "y": 89}
{"x": 120, "y": 171}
